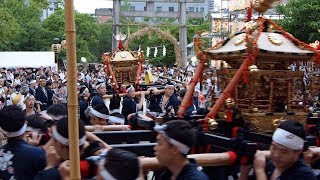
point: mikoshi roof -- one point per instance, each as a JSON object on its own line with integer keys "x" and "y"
{"x": 123, "y": 56}
{"x": 271, "y": 42}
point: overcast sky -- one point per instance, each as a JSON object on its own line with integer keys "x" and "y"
{"x": 88, "y": 6}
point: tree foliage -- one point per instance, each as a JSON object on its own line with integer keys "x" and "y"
{"x": 302, "y": 19}
{"x": 9, "y": 28}
{"x": 22, "y": 29}
{"x": 23, "y": 20}
{"x": 87, "y": 33}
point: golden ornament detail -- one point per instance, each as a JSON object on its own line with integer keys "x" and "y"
{"x": 274, "y": 39}
{"x": 212, "y": 124}
{"x": 240, "y": 39}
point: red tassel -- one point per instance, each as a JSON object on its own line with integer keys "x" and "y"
{"x": 246, "y": 77}
{"x": 120, "y": 45}
{"x": 249, "y": 13}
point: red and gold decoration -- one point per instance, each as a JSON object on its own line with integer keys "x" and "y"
{"x": 123, "y": 66}
{"x": 262, "y": 94}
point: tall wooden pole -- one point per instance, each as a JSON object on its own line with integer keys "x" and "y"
{"x": 73, "y": 124}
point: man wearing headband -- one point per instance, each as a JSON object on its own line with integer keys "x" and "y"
{"x": 101, "y": 91}
{"x": 59, "y": 152}
{"x": 168, "y": 102}
{"x": 84, "y": 100}
{"x": 19, "y": 160}
{"x": 32, "y": 87}
{"x": 286, "y": 148}
{"x": 29, "y": 101}
{"x": 42, "y": 93}
{"x": 174, "y": 140}
{"x": 130, "y": 105}
{"x": 99, "y": 115}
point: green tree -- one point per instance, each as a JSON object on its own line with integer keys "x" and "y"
{"x": 87, "y": 33}
{"x": 302, "y": 19}
{"x": 9, "y": 28}
{"x": 23, "y": 20}
{"x": 105, "y": 39}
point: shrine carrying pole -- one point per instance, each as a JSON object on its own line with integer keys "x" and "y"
{"x": 73, "y": 124}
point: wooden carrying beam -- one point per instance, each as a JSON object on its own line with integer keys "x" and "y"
{"x": 108, "y": 128}
{"x": 206, "y": 159}
{"x": 169, "y": 78}
{"x": 136, "y": 93}
{"x": 315, "y": 151}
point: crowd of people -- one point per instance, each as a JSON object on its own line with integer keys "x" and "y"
{"x": 35, "y": 140}
{"x": 34, "y": 90}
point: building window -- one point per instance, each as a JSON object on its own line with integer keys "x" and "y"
{"x": 171, "y": 9}
{"x": 132, "y": 8}
{"x": 191, "y": 9}
{"x": 159, "y": 9}
{"x": 202, "y": 9}
{"x": 196, "y": 9}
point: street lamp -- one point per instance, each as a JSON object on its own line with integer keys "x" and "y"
{"x": 83, "y": 59}
{"x": 56, "y": 48}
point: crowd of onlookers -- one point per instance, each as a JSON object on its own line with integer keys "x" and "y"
{"x": 35, "y": 140}
{"x": 50, "y": 87}
{"x": 34, "y": 124}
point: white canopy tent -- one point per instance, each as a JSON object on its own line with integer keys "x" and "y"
{"x": 27, "y": 59}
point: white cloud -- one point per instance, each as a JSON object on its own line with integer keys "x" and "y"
{"x": 89, "y": 6}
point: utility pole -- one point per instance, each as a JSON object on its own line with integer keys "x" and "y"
{"x": 183, "y": 33}
{"x": 116, "y": 22}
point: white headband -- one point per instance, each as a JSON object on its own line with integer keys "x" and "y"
{"x": 115, "y": 110}
{"x": 64, "y": 140}
{"x": 98, "y": 114}
{"x": 184, "y": 149}
{"x": 56, "y": 118}
{"x": 115, "y": 119}
{"x": 99, "y": 85}
{"x": 17, "y": 133}
{"x": 287, "y": 139}
{"x": 37, "y": 130}
{"x": 130, "y": 88}
{"x": 169, "y": 86}
{"x": 28, "y": 96}
{"x": 86, "y": 90}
